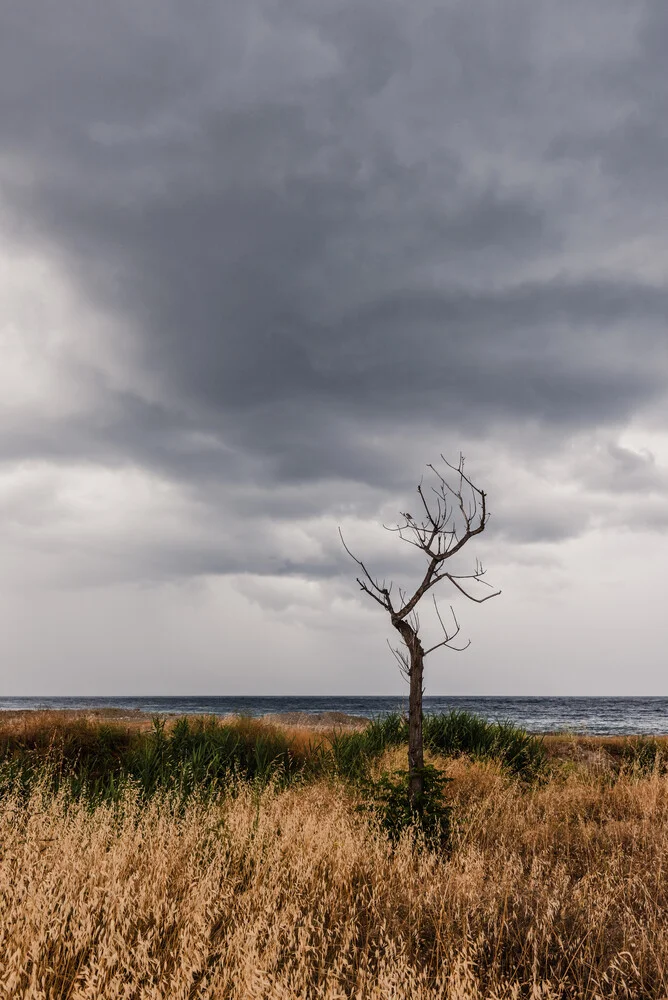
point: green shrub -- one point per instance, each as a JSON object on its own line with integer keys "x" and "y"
{"x": 451, "y": 735}
{"x": 461, "y": 732}
{"x": 388, "y": 800}
{"x": 644, "y": 755}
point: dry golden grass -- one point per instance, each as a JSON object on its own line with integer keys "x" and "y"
{"x": 34, "y": 721}
{"x": 554, "y": 891}
{"x": 42, "y": 725}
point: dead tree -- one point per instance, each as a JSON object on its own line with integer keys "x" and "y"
{"x": 451, "y": 516}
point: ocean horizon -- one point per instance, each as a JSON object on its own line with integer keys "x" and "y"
{"x": 539, "y": 714}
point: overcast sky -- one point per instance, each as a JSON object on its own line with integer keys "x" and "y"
{"x": 260, "y": 263}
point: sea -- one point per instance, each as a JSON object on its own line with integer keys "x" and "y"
{"x": 598, "y": 716}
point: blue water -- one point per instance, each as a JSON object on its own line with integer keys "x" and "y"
{"x": 539, "y": 715}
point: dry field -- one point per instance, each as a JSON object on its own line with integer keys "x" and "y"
{"x": 553, "y": 890}
{"x": 302, "y": 729}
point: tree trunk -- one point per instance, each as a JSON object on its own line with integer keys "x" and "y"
{"x": 415, "y": 741}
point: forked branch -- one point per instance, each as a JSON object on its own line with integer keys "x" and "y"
{"x": 451, "y": 518}
{"x": 448, "y": 636}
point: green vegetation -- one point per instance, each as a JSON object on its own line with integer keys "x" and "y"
{"x": 644, "y": 755}
{"x": 460, "y": 733}
{"x": 200, "y": 755}
{"x": 455, "y": 734}
{"x": 209, "y": 755}
{"x": 388, "y": 799}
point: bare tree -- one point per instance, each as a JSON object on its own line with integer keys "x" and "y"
{"x": 451, "y": 516}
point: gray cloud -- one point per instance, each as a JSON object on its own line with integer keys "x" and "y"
{"x": 335, "y": 228}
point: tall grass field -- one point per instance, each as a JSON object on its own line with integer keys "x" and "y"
{"x": 201, "y": 859}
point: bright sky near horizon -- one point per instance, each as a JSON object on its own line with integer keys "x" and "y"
{"x": 260, "y": 263}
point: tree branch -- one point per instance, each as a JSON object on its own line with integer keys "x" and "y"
{"x": 478, "y": 600}
{"x": 384, "y": 591}
{"x": 402, "y": 660}
{"x": 450, "y": 521}
{"x": 448, "y": 638}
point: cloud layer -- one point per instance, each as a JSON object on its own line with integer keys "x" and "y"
{"x": 263, "y": 262}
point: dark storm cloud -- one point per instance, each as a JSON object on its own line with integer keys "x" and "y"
{"x": 632, "y": 148}
{"x": 617, "y": 470}
{"x": 326, "y": 218}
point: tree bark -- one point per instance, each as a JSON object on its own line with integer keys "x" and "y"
{"x": 415, "y": 738}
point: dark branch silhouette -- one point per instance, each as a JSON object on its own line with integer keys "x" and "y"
{"x": 451, "y": 516}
